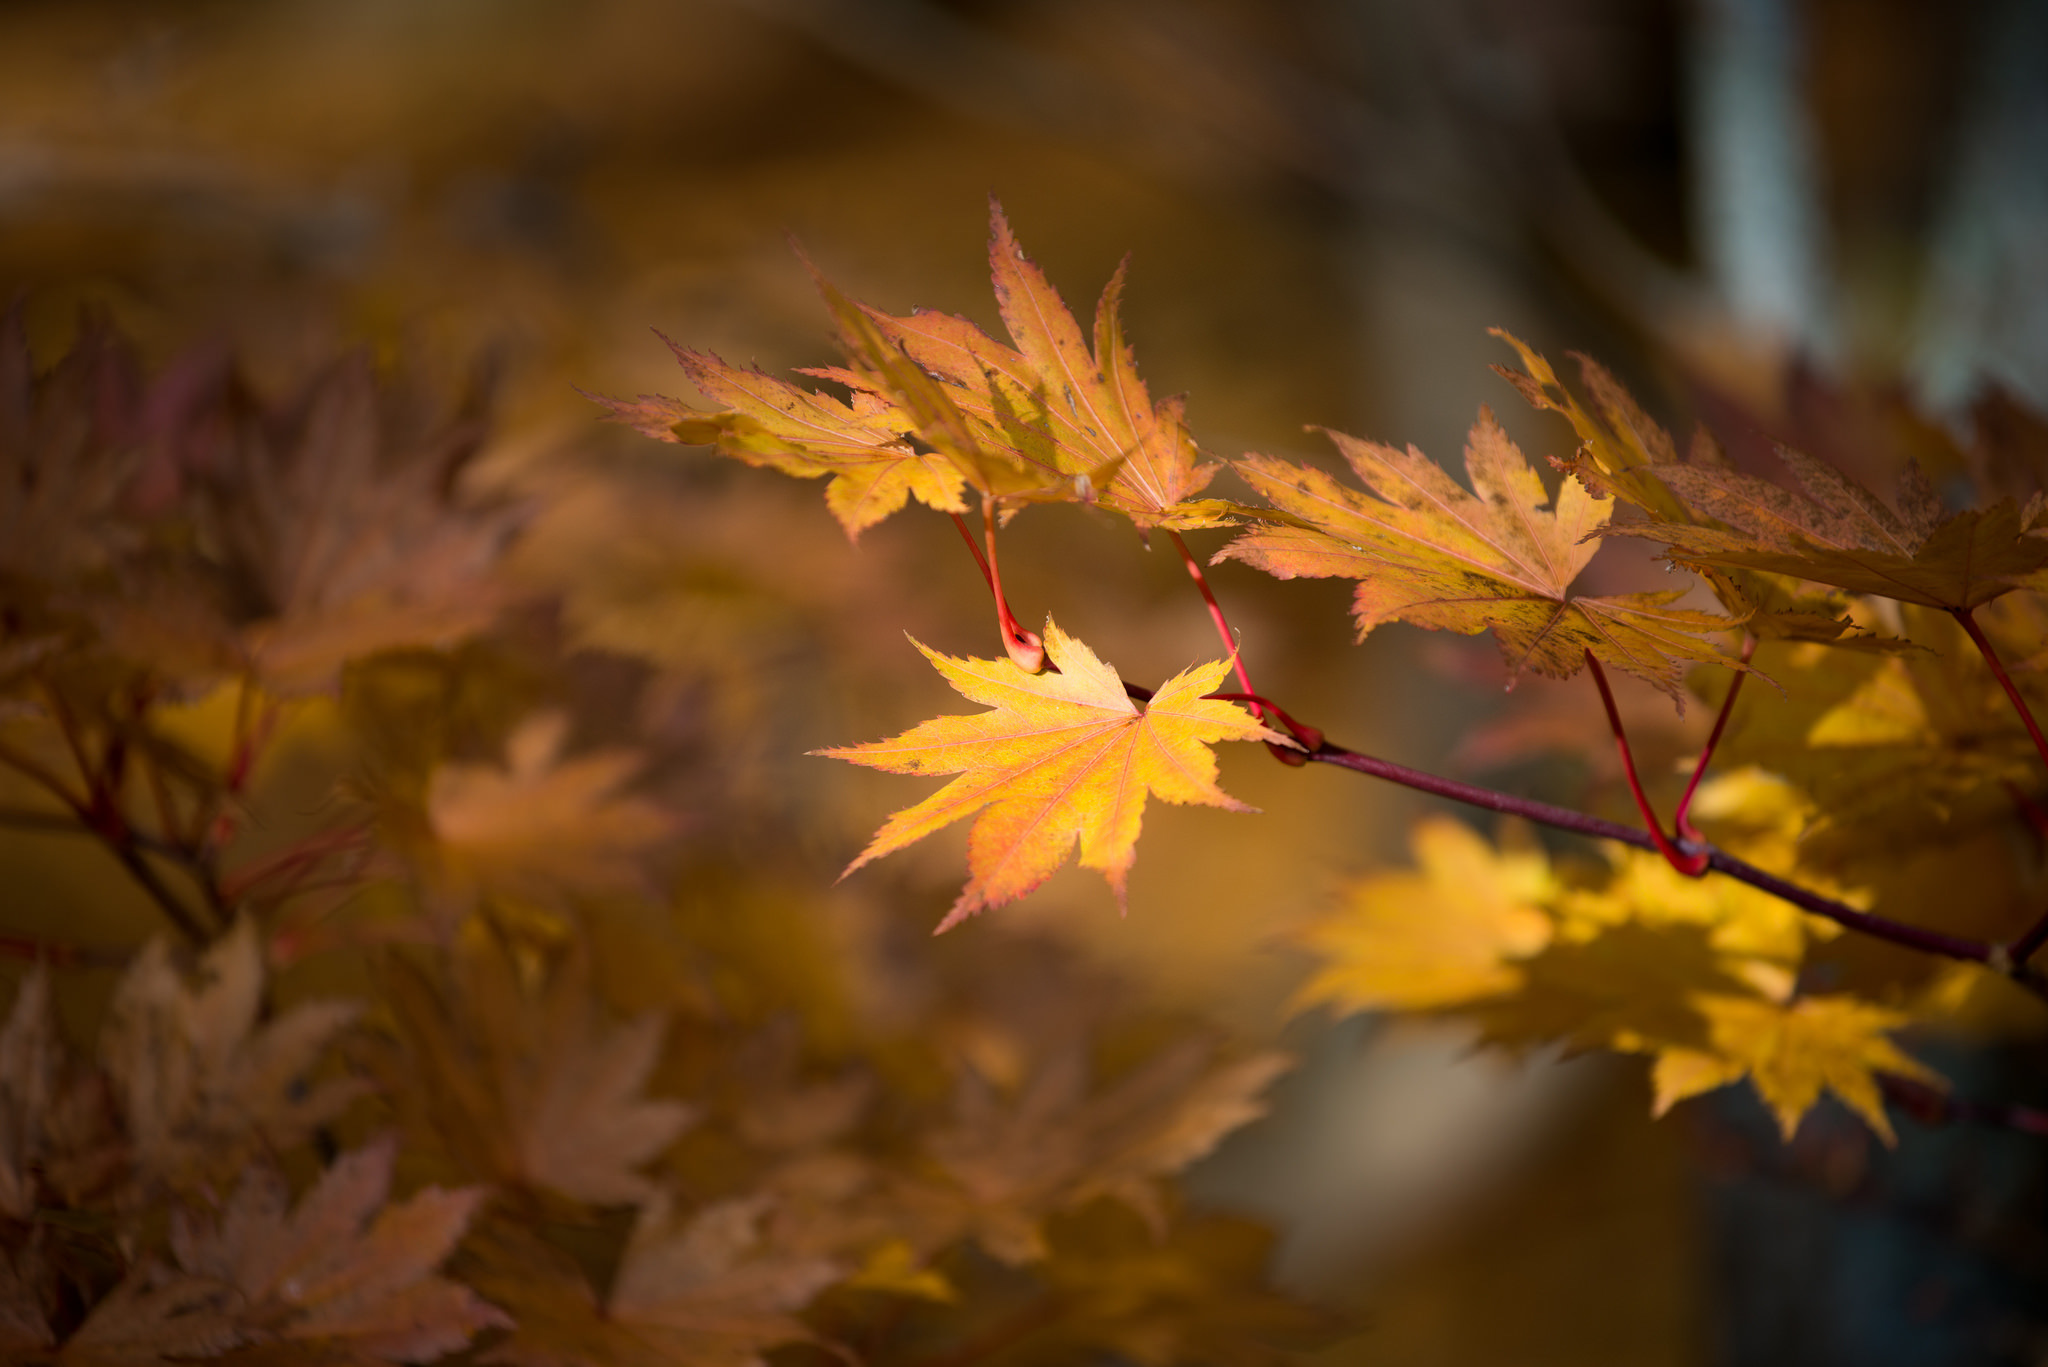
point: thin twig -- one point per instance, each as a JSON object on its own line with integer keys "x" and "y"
{"x": 1681, "y": 820}
{"x": 1691, "y": 862}
{"x": 1969, "y": 624}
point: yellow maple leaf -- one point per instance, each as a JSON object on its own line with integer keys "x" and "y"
{"x": 1500, "y": 558}
{"x": 1446, "y": 933}
{"x": 1065, "y": 756}
{"x": 1791, "y": 1051}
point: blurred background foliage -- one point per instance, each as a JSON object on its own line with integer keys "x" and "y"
{"x": 1742, "y": 205}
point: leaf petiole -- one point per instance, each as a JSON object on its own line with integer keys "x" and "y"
{"x": 1024, "y": 648}
{"x": 1681, "y": 820}
{"x": 1693, "y": 862}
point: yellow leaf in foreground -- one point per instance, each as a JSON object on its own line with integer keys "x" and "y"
{"x": 1444, "y": 934}
{"x": 1064, "y": 756}
{"x": 1791, "y": 1052}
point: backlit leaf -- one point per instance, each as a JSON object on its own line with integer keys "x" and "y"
{"x": 1500, "y": 558}
{"x": 1065, "y": 756}
{"x": 1791, "y": 1052}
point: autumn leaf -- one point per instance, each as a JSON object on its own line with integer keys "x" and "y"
{"x": 541, "y": 825}
{"x": 1065, "y": 756}
{"x": 1832, "y": 530}
{"x": 861, "y": 444}
{"x": 938, "y": 406}
{"x": 156, "y": 1315}
{"x": 526, "y": 1083}
{"x": 1193, "y": 1293}
{"x": 201, "y": 1086}
{"x": 343, "y": 516}
{"x": 1426, "y": 551}
{"x": 713, "y": 1289}
{"x": 1791, "y": 1052}
{"x": 28, "y": 1075}
{"x": 1059, "y": 1142}
{"x": 343, "y": 1270}
{"x": 1075, "y": 411}
{"x": 1448, "y": 933}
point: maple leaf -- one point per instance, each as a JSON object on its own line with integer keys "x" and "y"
{"x": 28, "y": 1076}
{"x": 861, "y": 444}
{"x": 531, "y": 1086}
{"x": 714, "y": 1290}
{"x": 938, "y": 406}
{"x": 1623, "y": 450}
{"x": 1834, "y": 531}
{"x": 340, "y": 515}
{"x": 156, "y": 1315}
{"x": 1059, "y": 404}
{"x": 1058, "y": 1142}
{"x": 1194, "y": 1293}
{"x": 541, "y": 825}
{"x": 199, "y": 1085}
{"x": 342, "y": 1271}
{"x": 1426, "y": 551}
{"x": 1065, "y": 756}
{"x": 1898, "y": 752}
{"x": 1791, "y": 1052}
{"x": 1446, "y": 934}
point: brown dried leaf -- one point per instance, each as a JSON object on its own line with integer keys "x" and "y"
{"x": 199, "y": 1085}
{"x": 344, "y": 1270}
{"x": 28, "y": 1076}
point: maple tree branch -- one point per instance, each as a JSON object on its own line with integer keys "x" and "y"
{"x": 1692, "y": 863}
{"x": 1968, "y": 621}
{"x": 2029, "y": 944}
{"x": 1997, "y": 957}
{"x": 1681, "y": 820}
{"x": 132, "y": 859}
{"x": 44, "y": 777}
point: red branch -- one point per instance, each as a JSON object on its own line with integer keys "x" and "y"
{"x": 1904, "y": 934}
{"x": 1693, "y": 862}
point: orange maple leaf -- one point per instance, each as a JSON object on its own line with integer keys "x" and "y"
{"x": 1426, "y": 551}
{"x": 938, "y": 406}
{"x": 1064, "y": 756}
{"x": 1060, "y": 404}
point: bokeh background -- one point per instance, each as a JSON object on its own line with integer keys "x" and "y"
{"x": 1328, "y": 203}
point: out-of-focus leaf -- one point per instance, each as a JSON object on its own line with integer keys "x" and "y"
{"x": 202, "y": 1086}
{"x": 343, "y": 1271}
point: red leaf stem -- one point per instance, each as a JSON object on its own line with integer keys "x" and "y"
{"x": 1681, "y": 820}
{"x": 1692, "y": 863}
{"x": 1969, "y": 623}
